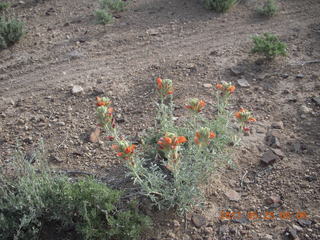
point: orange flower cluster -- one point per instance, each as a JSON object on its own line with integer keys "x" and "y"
{"x": 203, "y": 136}
{"x": 104, "y": 113}
{"x": 169, "y": 145}
{"x": 226, "y": 88}
{"x": 125, "y": 151}
{"x": 244, "y": 116}
{"x": 170, "y": 142}
{"x": 103, "y": 101}
{"x": 164, "y": 87}
{"x": 195, "y": 105}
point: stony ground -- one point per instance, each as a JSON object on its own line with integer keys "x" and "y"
{"x": 276, "y": 169}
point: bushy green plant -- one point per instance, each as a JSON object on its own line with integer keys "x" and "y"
{"x": 174, "y": 161}
{"x": 113, "y": 5}
{"x": 269, "y": 46}
{"x": 33, "y": 199}
{"x": 103, "y": 16}
{"x": 269, "y": 8}
{"x": 4, "y": 6}
{"x": 219, "y": 5}
{"x": 10, "y": 32}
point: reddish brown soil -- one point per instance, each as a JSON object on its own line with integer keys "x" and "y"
{"x": 181, "y": 40}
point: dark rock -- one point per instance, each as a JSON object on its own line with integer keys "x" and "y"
{"x": 269, "y": 158}
{"x": 274, "y": 200}
{"x": 236, "y": 71}
{"x": 279, "y": 153}
{"x": 304, "y": 222}
{"x": 277, "y": 125}
{"x": 311, "y": 178}
{"x": 198, "y": 220}
{"x": 300, "y": 76}
{"x": 316, "y": 100}
{"x": 285, "y": 75}
{"x": 291, "y": 234}
{"x": 272, "y": 140}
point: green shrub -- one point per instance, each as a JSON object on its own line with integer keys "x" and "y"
{"x": 269, "y": 46}
{"x": 219, "y": 5}
{"x": 113, "y": 5}
{"x": 34, "y": 200}
{"x": 4, "y": 6}
{"x": 103, "y": 16}
{"x": 269, "y": 9}
{"x": 10, "y": 32}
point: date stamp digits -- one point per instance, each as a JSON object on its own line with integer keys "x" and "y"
{"x": 267, "y": 215}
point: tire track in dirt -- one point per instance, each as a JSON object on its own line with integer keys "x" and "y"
{"x": 132, "y": 57}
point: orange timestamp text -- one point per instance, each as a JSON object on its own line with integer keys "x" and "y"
{"x": 267, "y": 215}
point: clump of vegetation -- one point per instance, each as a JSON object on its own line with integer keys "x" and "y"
{"x": 269, "y": 8}
{"x": 107, "y": 7}
{"x": 32, "y": 199}
{"x": 113, "y": 5}
{"x": 103, "y": 16}
{"x": 269, "y": 46}
{"x": 4, "y": 6}
{"x": 219, "y": 5}
{"x": 175, "y": 160}
{"x": 10, "y": 32}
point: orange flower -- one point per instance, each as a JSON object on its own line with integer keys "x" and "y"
{"x": 251, "y": 119}
{"x": 124, "y": 150}
{"x": 226, "y": 88}
{"x": 196, "y": 105}
{"x": 219, "y": 86}
{"x": 103, "y": 101}
{"x": 212, "y": 135}
{"x": 159, "y": 83}
{"x": 164, "y": 87}
{"x": 170, "y": 141}
{"x": 203, "y": 135}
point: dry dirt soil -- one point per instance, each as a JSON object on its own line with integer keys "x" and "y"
{"x": 181, "y": 40}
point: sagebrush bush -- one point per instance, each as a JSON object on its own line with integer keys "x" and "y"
{"x": 113, "y": 5}
{"x": 11, "y": 31}
{"x": 219, "y": 5}
{"x": 34, "y": 199}
{"x": 269, "y": 46}
{"x": 269, "y": 8}
{"x": 103, "y": 16}
{"x": 4, "y": 6}
{"x": 174, "y": 161}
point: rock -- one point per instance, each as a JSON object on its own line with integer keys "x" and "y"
{"x": 274, "y": 200}
{"x": 297, "y": 228}
{"x": 74, "y": 54}
{"x": 223, "y": 229}
{"x": 277, "y": 125}
{"x": 94, "y": 135}
{"x": 311, "y": 178}
{"x": 291, "y": 233}
{"x": 316, "y": 100}
{"x": 207, "y": 85}
{"x": 77, "y": 90}
{"x": 300, "y": 76}
{"x": 198, "y": 220}
{"x": 176, "y": 224}
{"x": 269, "y": 158}
{"x": 153, "y": 32}
{"x": 305, "y": 109}
{"x": 232, "y": 195}
{"x": 304, "y": 222}
{"x": 278, "y": 152}
{"x": 285, "y": 75}
{"x": 55, "y": 159}
{"x": 61, "y": 123}
{"x": 243, "y": 83}
{"x": 236, "y": 71}
{"x": 272, "y": 140}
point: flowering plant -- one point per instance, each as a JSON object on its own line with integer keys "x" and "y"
{"x": 169, "y": 167}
